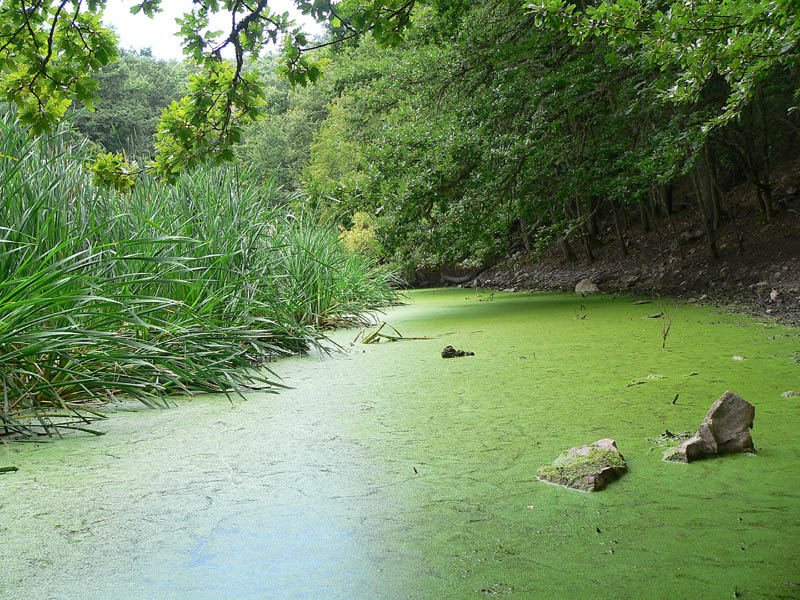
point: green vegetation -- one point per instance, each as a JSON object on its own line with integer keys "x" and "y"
{"x": 515, "y": 125}
{"x": 182, "y": 288}
{"x": 466, "y": 128}
{"x": 131, "y": 95}
{"x": 51, "y": 52}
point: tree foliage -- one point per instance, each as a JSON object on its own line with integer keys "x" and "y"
{"x": 742, "y": 41}
{"x": 50, "y": 51}
{"x": 497, "y": 124}
{"x": 519, "y": 123}
{"x": 132, "y": 94}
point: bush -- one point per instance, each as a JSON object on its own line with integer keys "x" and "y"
{"x": 193, "y": 287}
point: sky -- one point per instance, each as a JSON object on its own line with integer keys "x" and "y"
{"x": 158, "y": 34}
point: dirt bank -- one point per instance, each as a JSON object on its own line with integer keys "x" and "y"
{"x": 758, "y": 269}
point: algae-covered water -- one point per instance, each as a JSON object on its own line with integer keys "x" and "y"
{"x": 389, "y": 472}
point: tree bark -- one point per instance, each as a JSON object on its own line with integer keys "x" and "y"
{"x": 620, "y": 238}
{"x": 569, "y": 254}
{"x": 702, "y": 194}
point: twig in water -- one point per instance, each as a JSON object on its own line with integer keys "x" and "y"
{"x": 668, "y": 312}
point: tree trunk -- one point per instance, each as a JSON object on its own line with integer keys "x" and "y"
{"x": 746, "y": 153}
{"x": 587, "y": 246}
{"x": 645, "y": 221}
{"x": 526, "y": 237}
{"x": 706, "y": 211}
{"x": 713, "y": 186}
{"x": 620, "y": 237}
{"x": 668, "y": 198}
{"x": 567, "y": 250}
{"x": 664, "y": 194}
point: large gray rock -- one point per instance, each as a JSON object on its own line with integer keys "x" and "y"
{"x": 724, "y": 430}
{"x": 589, "y": 468}
{"x": 586, "y": 286}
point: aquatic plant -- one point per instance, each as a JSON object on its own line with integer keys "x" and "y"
{"x": 183, "y": 288}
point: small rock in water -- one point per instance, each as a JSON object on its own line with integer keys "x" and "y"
{"x": 450, "y": 352}
{"x": 589, "y": 468}
{"x": 790, "y": 393}
{"x": 724, "y": 430}
{"x": 586, "y": 286}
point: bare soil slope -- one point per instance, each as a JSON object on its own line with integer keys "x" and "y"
{"x": 758, "y": 269}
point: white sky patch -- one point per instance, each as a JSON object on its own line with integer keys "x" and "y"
{"x": 160, "y": 33}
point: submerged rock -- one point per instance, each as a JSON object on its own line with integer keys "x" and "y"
{"x": 724, "y": 430}
{"x": 450, "y": 352}
{"x": 586, "y": 286}
{"x": 589, "y": 468}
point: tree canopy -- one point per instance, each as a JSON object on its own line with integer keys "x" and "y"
{"x": 493, "y": 124}
{"x": 51, "y": 51}
{"x": 515, "y": 121}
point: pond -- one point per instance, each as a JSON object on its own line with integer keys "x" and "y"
{"x": 389, "y": 472}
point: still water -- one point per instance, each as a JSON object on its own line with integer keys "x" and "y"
{"x": 389, "y": 472}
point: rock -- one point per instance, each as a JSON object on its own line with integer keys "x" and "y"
{"x": 450, "y": 352}
{"x": 586, "y": 286}
{"x": 790, "y": 393}
{"x": 630, "y": 280}
{"x": 589, "y": 468}
{"x": 724, "y": 430}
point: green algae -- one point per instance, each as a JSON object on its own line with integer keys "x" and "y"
{"x": 389, "y": 472}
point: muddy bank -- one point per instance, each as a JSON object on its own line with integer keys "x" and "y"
{"x": 757, "y": 270}
{"x": 769, "y": 289}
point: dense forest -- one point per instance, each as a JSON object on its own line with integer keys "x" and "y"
{"x": 158, "y": 205}
{"x": 503, "y": 124}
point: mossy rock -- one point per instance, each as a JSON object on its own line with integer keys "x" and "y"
{"x": 587, "y": 468}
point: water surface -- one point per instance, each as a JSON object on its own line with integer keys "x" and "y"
{"x": 389, "y": 472}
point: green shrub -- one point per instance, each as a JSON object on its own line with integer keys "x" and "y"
{"x": 192, "y": 287}
{"x": 360, "y": 238}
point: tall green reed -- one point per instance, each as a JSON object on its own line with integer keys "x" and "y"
{"x": 184, "y": 288}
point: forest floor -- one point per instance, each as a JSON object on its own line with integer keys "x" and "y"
{"x": 761, "y": 276}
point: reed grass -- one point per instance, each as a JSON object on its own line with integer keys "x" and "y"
{"x": 189, "y": 288}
